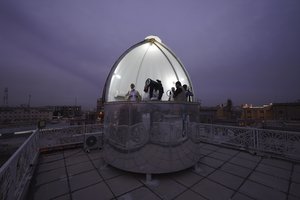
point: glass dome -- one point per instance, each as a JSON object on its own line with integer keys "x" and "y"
{"x": 147, "y": 59}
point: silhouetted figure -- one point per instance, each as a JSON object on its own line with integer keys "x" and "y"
{"x": 170, "y": 94}
{"x": 188, "y": 93}
{"x": 179, "y": 93}
{"x": 154, "y": 89}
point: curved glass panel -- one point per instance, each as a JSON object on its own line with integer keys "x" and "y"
{"x": 147, "y": 59}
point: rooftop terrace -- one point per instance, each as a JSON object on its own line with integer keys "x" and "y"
{"x": 222, "y": 173}
{"x": 235, "y": 163}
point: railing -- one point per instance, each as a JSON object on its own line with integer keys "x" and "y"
{"x": 66, "y": 135}
{"x": 17, "y": 171}
{"x": 282, "y": 143}
{"x": 15, "y": 174}
{"x": 11, "y": 130}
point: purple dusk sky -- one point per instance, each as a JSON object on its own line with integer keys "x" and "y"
{"x": 59, "y": 50}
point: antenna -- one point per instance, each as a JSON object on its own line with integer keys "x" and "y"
{"x": 5, "y": 97}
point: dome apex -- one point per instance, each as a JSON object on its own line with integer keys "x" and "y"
{"x": 153, "y": 38}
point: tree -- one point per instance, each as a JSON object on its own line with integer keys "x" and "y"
{"x": 229, "y": 105}
{"x": 229, "y": 108}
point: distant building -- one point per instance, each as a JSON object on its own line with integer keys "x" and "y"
{"x": 286, "y": 111}
{"x": 91, "y": 117}
{"x": 24, "y": 115}
{"x": 220, "y": 115}
{"x": 208, "y": 114}
{"x": 274, "y": 115}
{"x": 228, "y": 115}
{"x": 99, "y": 105}
{"x": 255, "y": 114}
{"x": 100, "y": 110}
{"x": 66, "y": 111}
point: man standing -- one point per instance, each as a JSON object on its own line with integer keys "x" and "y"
{"x": 133, "y": 95}
{"x": 179, "y": 93}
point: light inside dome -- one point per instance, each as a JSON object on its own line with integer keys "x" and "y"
{"x": 147, "y": 59}
{"x": 117, "y": 76}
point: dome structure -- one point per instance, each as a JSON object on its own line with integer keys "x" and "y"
{"x": 149, "y": 137}
{"x": 149, "y": 58}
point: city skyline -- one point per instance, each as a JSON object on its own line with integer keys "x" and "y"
{"x": 61, "y": 52}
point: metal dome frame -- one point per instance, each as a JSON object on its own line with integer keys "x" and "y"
{"x": 152, "y": 40}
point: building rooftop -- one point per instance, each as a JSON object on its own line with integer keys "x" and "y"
{"x": 221, "y": 173}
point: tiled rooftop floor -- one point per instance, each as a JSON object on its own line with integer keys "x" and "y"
{"x": 221, "y": 174}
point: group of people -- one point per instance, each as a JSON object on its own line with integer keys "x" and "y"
{"x": 180, "y": 93}
{"x": 154, "y": 91}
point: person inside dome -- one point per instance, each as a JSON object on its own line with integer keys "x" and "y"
{"x": 153, "y": 90}
{"x": 170, "y": 94}
{"x": 133, "y": 94}
{"x": 179, "y": 93}
{"x": 188, "y": 93}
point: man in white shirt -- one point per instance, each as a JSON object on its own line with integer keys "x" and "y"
{"x": 133, "y": 95}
